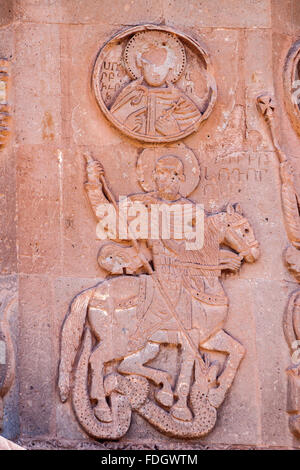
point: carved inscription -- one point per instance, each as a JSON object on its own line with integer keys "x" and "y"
{"x": 291, "y": 81}
{"x": 233, "y": 173}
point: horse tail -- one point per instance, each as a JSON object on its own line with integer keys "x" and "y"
{"x": 10, "y": 352}
{"x": 70, "y": 339}
{"x": 289, "y": 320}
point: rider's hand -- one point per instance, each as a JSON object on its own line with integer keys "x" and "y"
{"x": 230, "y": 260}
{"x": 94, "y": 171}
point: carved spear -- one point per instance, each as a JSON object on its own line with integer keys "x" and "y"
{"x": 89, "y": 159}
{"x": 266, "y": 106}
{"x": 289, "y": 197}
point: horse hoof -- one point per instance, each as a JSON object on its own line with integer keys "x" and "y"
{"x": 111, "y": 383}
{"x": 181, "y": 413}
{"x": 216, "y": 397}
{"x": 164, "y": 398}
{"x": 103, "y": 414}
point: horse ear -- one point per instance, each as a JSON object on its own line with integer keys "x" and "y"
{"x": 230, "y": 209}
{"x": 238, "y": 208}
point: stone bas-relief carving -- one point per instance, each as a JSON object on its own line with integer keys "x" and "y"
{"x": 291, "y": 211}
{"x": 5, "y": 444}
{"x": 4, "y": 107}
{"x": 290, "y": 202}
{"x": 291, "y": 81}
{"x": 7, "y": 357}
{"x": 153, "y": 84}
{"x": 114, "y": 329}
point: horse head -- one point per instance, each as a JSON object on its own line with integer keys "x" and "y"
{"x": 239, "y": 234}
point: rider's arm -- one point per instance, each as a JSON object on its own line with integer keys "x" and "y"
{"x": 93, "y": 185}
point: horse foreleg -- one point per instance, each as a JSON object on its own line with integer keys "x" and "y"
{"x": 223, "y": 342}
{"x": 101, "y": 410}
{"x": 180, "y": 410}
{"x": 134, "y": 364}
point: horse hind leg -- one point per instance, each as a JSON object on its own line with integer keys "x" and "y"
{"x": 223, "y": 342}
{"x": 134, "y": 364}
{"x": 181, "y": 410}
{"x": 102, "y": 411}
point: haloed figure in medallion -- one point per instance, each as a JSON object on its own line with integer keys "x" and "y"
{"x": 151, "y": 106}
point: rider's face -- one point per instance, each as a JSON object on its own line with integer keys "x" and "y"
{"x": 168, "y": 179}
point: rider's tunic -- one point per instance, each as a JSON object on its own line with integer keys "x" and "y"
{"x": 190, "y": 280}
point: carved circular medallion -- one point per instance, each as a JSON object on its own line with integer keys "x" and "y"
{"x": 147, "y": 162}
{"x": 292, "y": 85}
{"x": 154, "y": 84}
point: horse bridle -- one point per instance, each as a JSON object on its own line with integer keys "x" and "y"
{"x": 246, "y": 247}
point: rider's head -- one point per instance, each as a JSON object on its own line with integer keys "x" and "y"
{"x": 168, "y": 175}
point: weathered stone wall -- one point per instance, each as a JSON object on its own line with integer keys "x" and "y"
{"x": 48, "y": 233}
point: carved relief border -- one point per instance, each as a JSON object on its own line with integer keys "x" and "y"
{"x": 290, "y": 207}
{"x": 291, "y": 83}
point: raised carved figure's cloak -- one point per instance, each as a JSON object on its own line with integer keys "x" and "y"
{"x": 155, "y": 111}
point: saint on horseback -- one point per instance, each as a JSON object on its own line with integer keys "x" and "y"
{"x": 162, "y": 291}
